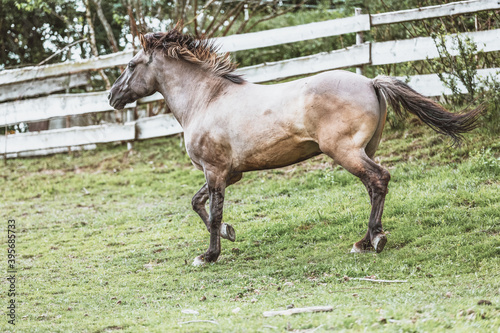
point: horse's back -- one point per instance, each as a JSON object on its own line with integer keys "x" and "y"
{"x": 345, "y": 87}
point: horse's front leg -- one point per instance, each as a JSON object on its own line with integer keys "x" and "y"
{"x": 216, "y": 184}
{"x": 198, "y": 203}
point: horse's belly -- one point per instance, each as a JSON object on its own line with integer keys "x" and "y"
{"x": 276, "y": 156}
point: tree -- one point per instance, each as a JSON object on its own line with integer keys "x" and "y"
{"x": 27, "y": 28}
{"x": 32, "y": 30}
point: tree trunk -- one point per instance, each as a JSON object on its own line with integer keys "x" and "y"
{"x": 93, "y": 45}
{"x": 107, "y": 26}
{"x": 133, "y": 25}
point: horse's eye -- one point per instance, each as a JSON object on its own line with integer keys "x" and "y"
{"x": 131, "y": 65}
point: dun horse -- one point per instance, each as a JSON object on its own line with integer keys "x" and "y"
{"x": 232, "y": 126}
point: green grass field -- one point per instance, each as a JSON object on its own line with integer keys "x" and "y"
{"x": 105, "y": 241}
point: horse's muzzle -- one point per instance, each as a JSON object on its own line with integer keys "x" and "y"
{"x": 117, "y": 104}
{"x": 116, "y": 100}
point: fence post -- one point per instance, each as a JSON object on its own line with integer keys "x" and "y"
{"x": 359, "y": 40}
{"x": 130, "y": 117}
{"x": 5, "y": 148}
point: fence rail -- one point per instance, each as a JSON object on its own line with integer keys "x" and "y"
{"x": 450, "y": 9}
{"x": 65, "y": 68}
{"x": 421, "y": 48}
{"x": 50, "y": 85}
{"x": 263, "y": 38}
{"x": 297, "y": 33}
{"x": 376, "y": 53}
{"x": 144, "y": 128}
{"x": 430, "y": 84}
{"x": 33, "y": 81}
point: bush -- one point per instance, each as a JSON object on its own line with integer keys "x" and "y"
{"x": 484, "y": 160}
{"x": 457, "y": 67}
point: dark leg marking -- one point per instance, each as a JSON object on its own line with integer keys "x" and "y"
{"x": 216, "y": 209}
{"x": 198, "y": 203}
{"x": 376, "y": 179}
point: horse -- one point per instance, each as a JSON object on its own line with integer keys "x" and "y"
{"x": 232, "y": 126}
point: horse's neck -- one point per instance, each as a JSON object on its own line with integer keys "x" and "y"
{"x": 186, "y": 87}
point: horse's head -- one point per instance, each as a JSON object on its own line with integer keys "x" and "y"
{"x": 137, "y": 81}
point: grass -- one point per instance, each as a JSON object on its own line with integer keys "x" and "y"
{"x": 105, "y": 241}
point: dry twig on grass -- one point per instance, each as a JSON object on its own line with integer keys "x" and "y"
{"x": 380, "y": 281}
{"x": 298, "y": 310}
{"x": 199, "y": 321}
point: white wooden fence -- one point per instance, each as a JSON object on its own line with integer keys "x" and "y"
{"x": 32, "y": 81}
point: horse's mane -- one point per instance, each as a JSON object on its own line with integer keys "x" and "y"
{"x": 200, "y": 51}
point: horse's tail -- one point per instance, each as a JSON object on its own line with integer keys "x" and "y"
{"x": 398, "y": 93}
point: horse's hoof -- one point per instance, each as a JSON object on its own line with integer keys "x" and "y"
{"x": 379, "y": 242}
{"x": 356, "y": 249}
{"x": 227, "y": 232}
{"x": 198, "y": 261}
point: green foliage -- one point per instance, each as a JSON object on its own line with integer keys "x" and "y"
{"x": 21, "y": 35}
{"x": 457, "y": 67}
{"x": 457, "y": 71}
{"x": 33, "y": 5}
{"x": 484, "y": 160}
{"x": 32, "y": 30}
{"x": 424, "y": 28}
{"x": 490, "y": 97}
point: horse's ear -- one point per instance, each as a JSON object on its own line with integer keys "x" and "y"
{"x": 143, "y": 41}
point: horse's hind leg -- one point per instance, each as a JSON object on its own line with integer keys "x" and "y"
{"x": 198, "y": 203}
{"x": 375, "y": 178}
